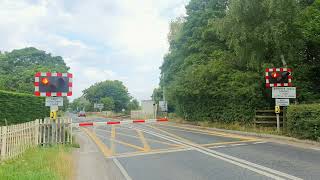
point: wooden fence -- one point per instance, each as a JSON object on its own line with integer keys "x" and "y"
{"x": 141, "y": 115}
{"x": 15, "y": 139}
{"x": 55, "y": 132}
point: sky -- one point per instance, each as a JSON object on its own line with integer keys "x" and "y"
{"x": 99, "y": 40}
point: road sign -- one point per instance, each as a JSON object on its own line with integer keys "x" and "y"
{"x": 284, "y": 92}
{"x": 282, "y": 102}
{"x": 277, "y": 109}
{"x": 53, "y": 84}
{"x": 163, "y": 106}
{"x": 54, "y": 101}
{"x": 53, "y": 115}
{"x": 98, "y": 106}
{"x": 278, "y": 77}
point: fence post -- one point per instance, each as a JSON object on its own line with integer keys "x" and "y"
{"x": 70, "y": 125}
{"x": 4, "y": 142}
{"x": 36, "y": 133}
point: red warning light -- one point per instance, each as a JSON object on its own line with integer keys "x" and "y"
{"x": 45, "y": 81}
{"x": 275, "y": 75}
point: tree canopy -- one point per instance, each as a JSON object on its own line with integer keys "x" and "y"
{"x": 17, "y": 68}
{"x": 114, "y": 90}
{"x": 218, "y": 54}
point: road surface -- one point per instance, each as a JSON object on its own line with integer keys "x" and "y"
{"x": 167, "y": 151}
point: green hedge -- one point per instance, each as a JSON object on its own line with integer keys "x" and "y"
{"x": 18, "y": 108}
{"x": 304, "y": 121}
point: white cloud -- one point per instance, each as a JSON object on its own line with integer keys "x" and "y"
{"x": 99, "y": 39}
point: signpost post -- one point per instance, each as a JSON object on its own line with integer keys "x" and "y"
{"x": 277, "y": 111}
{"x": 280, "y": 80}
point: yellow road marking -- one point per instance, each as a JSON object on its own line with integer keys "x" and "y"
{"x": 212, "y": 132}
{"x": 225, "y": 143}
{"x": 113, "y": 136}
{"x": 142, "y": 151}
{"x": 146, "y": 146}
{"x": 103, "y": 148}
{"x": 150, "y": 140}
{"x": 170, "y": 134}
{"x": 137, "y": 153}
{"x": 124, "y": 143}
{"x": 168, "y": 150}
{"x": 113, "y": 131}
{"x": 130, "y": 145}
{"x": 208, "y": 133}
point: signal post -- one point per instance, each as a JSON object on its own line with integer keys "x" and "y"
{"x": 280, "y": 80}
{"x": 54, "y": 86}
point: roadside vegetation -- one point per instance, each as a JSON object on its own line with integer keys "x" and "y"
{"x": 52, "y": 163}
{"x": 215, "y": 69}
{"x": 20, "y": 107}
{"x": 112, "y": 94}
{"x": 236, "y": 126}
{"x": 303, "y": 122}
{"x": 17, "y": 70}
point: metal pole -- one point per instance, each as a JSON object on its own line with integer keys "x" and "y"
{"x": 278, "y": 122}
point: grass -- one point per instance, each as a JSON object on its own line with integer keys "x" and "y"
{"x": 230, "y": 126}
{"x": 52, "y": 163}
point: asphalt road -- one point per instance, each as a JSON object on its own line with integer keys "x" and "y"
{"x": 165, "y": 151}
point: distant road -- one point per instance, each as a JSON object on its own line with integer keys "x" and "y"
{"x": 166, "y": 151}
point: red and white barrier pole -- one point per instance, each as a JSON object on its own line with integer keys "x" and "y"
{"x": 86, "y": 124}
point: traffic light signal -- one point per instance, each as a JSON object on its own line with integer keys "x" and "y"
{"x": 278, "y": 77}
{"x": 53, "y": 84}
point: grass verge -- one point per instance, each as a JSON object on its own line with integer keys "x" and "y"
{"x": 52, "y": 163}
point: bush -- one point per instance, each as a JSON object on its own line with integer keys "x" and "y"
{"x": 18, "y": 108}
{"x": 304, "y": 121}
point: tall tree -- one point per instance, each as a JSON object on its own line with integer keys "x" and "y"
{"x": 133, "y": 105}
{"x": 81, "y": 104}
{"x": 307, "y": 71}
{"x": 108, "y": 103}
{"x": 17, "y": 68}
{"x": 112, "y": 89}
{"x": 215, "y": 65}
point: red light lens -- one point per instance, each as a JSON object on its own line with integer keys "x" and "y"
{"x": 275, "y": 75}
{"x": 45, "y": 81}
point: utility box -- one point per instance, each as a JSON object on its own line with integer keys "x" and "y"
{"x": 148, "y": 106}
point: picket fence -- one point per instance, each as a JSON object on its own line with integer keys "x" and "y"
{"x": 16, "y": 139}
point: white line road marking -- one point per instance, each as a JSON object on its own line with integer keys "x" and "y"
{"x": 317, "y": 149}
{"x": 219, "y": 146}
{"x": 237, "y": 144}
{"x": 233, "y": 160}
{"x": 122, "y": 170}
{"x": 259, "y": 142}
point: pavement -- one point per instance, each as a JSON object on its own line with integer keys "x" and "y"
{"x": 165, "y": 151}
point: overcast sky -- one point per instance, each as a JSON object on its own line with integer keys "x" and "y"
{"x": 99, "y": 39}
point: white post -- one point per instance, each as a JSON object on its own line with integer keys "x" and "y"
{"x": 36, "y": 134}
{"x": 4, "y": 142}
{"x": 156, "y": 110}
{"x": 278, "y": 122}
{"x": 70, "y": 130}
